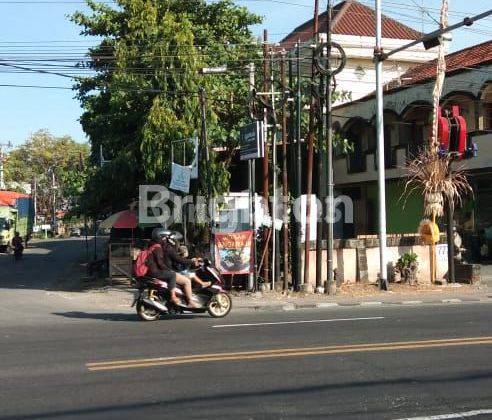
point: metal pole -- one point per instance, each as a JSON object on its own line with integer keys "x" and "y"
{"x": 298, "y": 250}
{"x": 35, "y": 199}
{"x": 54, "y": 201}
{"x": 266, "y": 183}
{"x": 329, "y": 153}
{"x": 310, "y": 153}
{"x": 2, "y": 180}
{"x": 321, "y": 181}
{"x": 95, "y": 239}
{"x": 383, "y": 281}
{"x": 275, "y": 235}
{"x": 86, "y": 231}
{"x": 252, "y": 189}
{"x": 203, "y": 111}
{"x": 285, "y": 186}
{"x": 450, "y": 234}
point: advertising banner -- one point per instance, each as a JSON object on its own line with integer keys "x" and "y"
{"x": 233, "y": 252}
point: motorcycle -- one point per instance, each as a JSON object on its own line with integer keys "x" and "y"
{"x": 18, "y": 251}
{"x": 153, "y": 297}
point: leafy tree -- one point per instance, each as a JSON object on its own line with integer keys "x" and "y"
{"x": 44, "y": 156}
{"x": 144, "y": 93}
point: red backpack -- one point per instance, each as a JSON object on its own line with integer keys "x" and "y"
{"x": 141, "y": 268}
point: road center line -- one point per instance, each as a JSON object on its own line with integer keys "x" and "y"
{"x": 288, "y": 352}
{"x": 462, "y": 415}
{"x": 297, "y": 322}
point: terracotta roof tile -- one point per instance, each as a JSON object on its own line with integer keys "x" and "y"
{"x": 352, "y": 18}
{"x": 460, "y": 60}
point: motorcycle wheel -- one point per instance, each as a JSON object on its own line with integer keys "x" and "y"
{"x": 145, "y": 313}
{"x": 220, "y": 305}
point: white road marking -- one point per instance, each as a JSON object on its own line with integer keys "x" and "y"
{"x": 462, "y": 415}
{"x": 298, "y": 322}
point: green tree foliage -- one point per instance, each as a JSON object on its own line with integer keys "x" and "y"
{"x": 144, "y": 94}
{"x": 43, "y": 155}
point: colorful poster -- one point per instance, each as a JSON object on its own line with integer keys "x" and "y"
{"x": 233, "y": 252}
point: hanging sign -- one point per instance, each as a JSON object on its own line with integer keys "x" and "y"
{"x": 251, "y": 141}
{"x": 233, "y": 252}
{"x": 180, "y": 178}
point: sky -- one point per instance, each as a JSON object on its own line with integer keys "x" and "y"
{"x": 32, "y": 26}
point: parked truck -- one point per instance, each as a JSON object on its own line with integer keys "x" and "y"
{"x": 16, "y": 215}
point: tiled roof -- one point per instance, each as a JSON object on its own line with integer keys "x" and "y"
{"x": 469, "y": 58}
{"x": 351, "y": 18}
{"x": 457, "y": 61}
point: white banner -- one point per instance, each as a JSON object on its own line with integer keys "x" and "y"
{"x": 180, "y": 179}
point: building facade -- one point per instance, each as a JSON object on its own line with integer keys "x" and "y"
{"x": 353, "y": 27}
{"x": 407, "y": 127}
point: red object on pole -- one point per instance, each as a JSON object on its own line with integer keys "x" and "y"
{"x": 458, "y": 135}
{"x": 452, "y": 131}
{"x": 442, "y": 130}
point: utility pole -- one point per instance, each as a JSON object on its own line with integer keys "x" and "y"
{"x": 266, "y": 183}
{"x": 329, "y": 153}
{"x": 275, "y": 233}
{"x": 204, "y": 139}
{"x": 252, "y": 280}
{"x": 35, "y": 198}
{"x": 298, "y": 171}
{"x": 285, "y": 186}
{"x": 321, "y": 181}
{"x": 383, "y": 279}
{"x": 53, "y": 189}
{"x": 310, "y": 153}
{"x": 2, "y": 160}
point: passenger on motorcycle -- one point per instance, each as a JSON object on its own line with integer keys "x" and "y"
{"x": 161, "y": 265}
{"x": 178, "y": 255}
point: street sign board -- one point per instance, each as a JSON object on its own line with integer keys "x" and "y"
{"x": 251, "y": 141}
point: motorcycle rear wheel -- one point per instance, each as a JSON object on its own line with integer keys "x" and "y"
{"x": 145, "y": 313}
{"x": 220, "y": 305}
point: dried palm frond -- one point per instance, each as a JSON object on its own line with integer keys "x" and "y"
{"x": 433, "y": 176}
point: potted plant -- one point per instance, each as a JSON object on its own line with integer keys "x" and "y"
{"x": 407, "y": 267}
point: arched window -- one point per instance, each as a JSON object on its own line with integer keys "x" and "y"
{"x": 416, "y": 127}
{"x": 356, "y": 131}
{"x": 485, "y": 118}
{"x": 466, "y": 102}
{"x": 391, "y": 139}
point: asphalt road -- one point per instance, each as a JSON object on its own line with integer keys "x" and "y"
{"x": 60, "y": 360}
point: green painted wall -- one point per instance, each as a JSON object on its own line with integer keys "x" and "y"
{"x": 403, "y": 214}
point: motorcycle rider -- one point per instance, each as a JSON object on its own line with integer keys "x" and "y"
{"x": 17, "y": 243}
{"x": 177, "y": 263}
{"x": 161, "y": 265}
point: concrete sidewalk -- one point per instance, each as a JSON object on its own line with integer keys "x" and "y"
{"x": 277, "y": 302}
{"x": 115, "y": 297}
